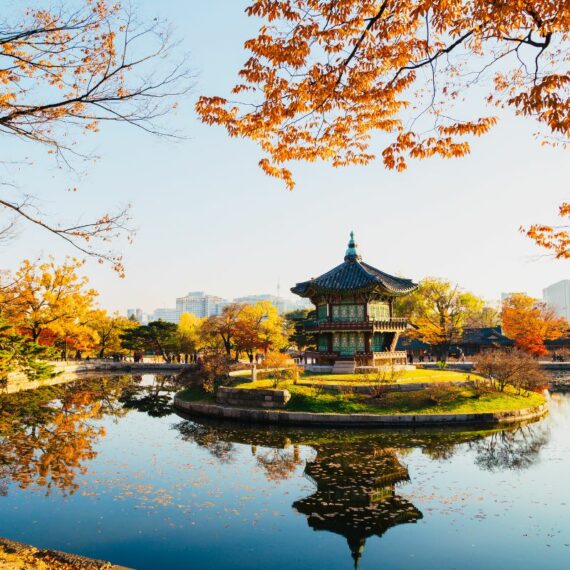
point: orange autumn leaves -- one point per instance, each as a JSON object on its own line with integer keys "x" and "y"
{"x": 553, "y": 238}
{"x": 529, "y": 323}
{"x": 324, "y": 76}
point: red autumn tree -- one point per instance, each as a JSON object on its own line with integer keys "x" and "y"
{"x": 529, "y": 323}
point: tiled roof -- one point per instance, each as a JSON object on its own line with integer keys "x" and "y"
{"x": 354, "y": 274}
{"x": 485, "y": 336}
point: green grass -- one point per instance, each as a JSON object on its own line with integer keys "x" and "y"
{"x": 407, "y": 377}
{"x": 195, "y": 394}
{"x": 448, "y": 400}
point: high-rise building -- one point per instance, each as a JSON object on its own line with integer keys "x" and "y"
{"x": 168, "y": 315}
{"x": 137, "y": 313}
{"x": 283, "y": 305}
{"x": 505, "y": 296}
{"x": 557, "y": 296}
{"x": 199, "y": 304}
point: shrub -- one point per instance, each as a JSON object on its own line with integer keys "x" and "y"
{"x": 380, "y": 376}
{"x": 442, "y": 394}
{"x": 212, "y": 370}
{"x": 281, "y": 367}
{"x": 515, "y": 368}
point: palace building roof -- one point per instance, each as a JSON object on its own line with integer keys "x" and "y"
{"x": 354, "y": 275}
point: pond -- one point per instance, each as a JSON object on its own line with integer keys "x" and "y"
{"x": 104, "y": 468}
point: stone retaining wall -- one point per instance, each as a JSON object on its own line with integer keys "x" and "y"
{"x": 70, "y": 371}
{"x": 243, "y": 414}
{"x": 254, "y": 397}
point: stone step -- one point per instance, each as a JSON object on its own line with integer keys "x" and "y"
{"x": 344, "y": 367}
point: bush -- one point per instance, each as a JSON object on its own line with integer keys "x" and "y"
{"x": 281, "y": 368}
{"x": 515, "y": 368}
{"x": 442, "y": 394}
{"x": 212, "y": 371}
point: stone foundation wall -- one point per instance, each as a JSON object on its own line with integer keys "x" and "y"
{"x": 71, "y": 371}
{"x": 252, "y": 398}
{"x": 283, "y": 417}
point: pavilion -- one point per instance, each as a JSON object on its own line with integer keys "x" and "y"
{"x": 355, "y": 323}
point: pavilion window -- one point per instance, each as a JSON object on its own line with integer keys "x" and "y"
{"x": 379, "y": 311}
{"x": 347, "y": 312}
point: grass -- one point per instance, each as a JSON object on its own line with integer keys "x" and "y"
{"x": 407, "y": 377}
{"x": 451, "y": 401}
{"x": 195, "y": 394}
{"x": 445, "y": 400}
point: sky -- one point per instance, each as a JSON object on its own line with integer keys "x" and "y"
{"x": 208, "y": 219}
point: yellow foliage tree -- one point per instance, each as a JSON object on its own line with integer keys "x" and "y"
{"x": 260, "y": 327}
{"x": 109, "y": 329}
{"x": 48, "y": 301}
{"x": 438, "y": 311}
{"x": 190, "y": 331}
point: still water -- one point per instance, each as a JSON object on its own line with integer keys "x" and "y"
{"x": 104, "y": 468}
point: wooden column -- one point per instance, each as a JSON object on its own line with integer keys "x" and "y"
{"x": 367, "y": 336}
{"x": 330, "y": 342}
{"x": 394, "y": 341}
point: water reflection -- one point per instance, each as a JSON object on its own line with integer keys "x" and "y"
{"x": 49, "y": 437}
{"x": 356, "y": 493}
{"x": 356, "y": 474}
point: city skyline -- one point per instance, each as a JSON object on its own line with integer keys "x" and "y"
{"x": 203, "y": 304}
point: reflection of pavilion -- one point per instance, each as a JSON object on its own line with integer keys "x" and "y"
{"x": 355, "y": 494}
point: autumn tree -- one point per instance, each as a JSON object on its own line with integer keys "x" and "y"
{"x": 223, "y": 327}
{"x": 47, "y": 298}
{"x": 324, "y": 76}
{"x": 66, "y": 70}
{"x": 438, "y": 311}
{"x": 529, "y": 323}
{"x": 20, "y": 354}
{"x": 109, "y": 329}
{"x": 189, "y": 331}
{"x": 514, "y": 368}
{"x": 555, "y": 239}
{"x": 259, "y": 327}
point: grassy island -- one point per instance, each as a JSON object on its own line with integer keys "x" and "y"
{"x": 313, "y": 393}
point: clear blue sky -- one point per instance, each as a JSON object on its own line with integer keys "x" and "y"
{"x": 209, "y": 219}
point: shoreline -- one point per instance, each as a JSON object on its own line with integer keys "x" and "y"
{"x": 71, "y": 371}
{"x": 283, "y": 417}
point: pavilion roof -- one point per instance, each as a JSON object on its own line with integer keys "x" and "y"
{"x": 353, "y": 275}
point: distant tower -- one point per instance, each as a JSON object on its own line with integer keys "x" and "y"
{"x": 278, "y": 287}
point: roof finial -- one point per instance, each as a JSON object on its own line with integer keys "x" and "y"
{"x": 351, "y": 253}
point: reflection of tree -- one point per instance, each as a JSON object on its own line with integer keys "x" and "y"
{"x": 356, "y": 494}
{"x": 356, "y": 473}
{"x": 517, "y": 449}
{"x": 48, "y": 434}
{"x": 154, "y": 399}
{"x": 279, "y": 464}
{"x": 209, "y": 438}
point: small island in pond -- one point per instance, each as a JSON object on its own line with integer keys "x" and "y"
{"x": 356, "y": 375}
